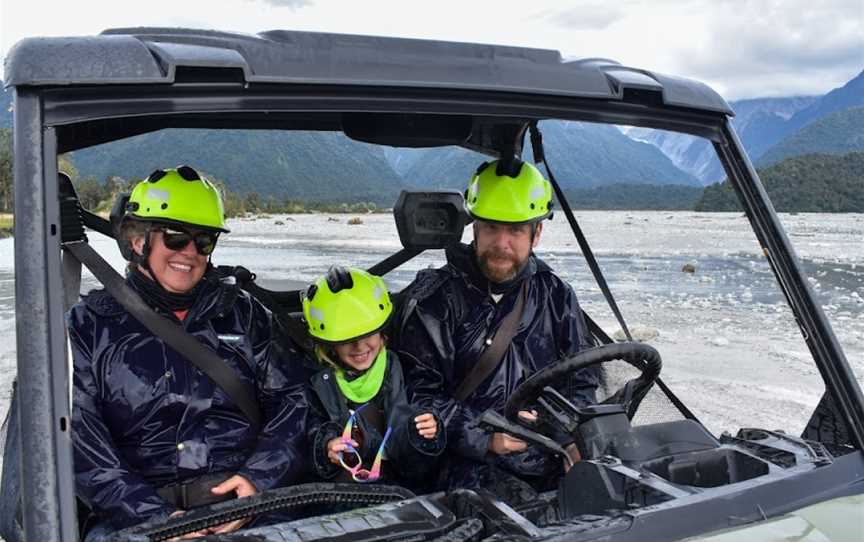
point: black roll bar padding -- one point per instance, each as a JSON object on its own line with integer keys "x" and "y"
{"x": 393, "y": 261}
{"x": 71, "y": 224}
{"x": 286, "y": 498}
{"x": 641, "y": 356}
{"x": 97, "y": 223}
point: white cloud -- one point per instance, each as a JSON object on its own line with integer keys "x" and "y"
{"x": 778, "y": 48}
{"x": 585, "y": 17}
{"x": 293, "y": 4}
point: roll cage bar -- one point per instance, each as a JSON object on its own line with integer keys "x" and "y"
{"x": 50, "y": 119}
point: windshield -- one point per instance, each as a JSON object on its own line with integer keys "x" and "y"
{"x": 687, "y": 273}
{"x": 693, "y": 284}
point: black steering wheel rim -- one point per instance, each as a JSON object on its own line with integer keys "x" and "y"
{"x": 641, "y": 356}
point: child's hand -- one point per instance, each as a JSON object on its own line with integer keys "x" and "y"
{"x": 335, "y": 447}
{"x": 426, "y": 425}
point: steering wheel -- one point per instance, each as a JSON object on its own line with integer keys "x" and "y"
{"x": 641, "y": 356}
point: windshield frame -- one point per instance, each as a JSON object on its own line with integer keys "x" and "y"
{"x": 52, "y": 120}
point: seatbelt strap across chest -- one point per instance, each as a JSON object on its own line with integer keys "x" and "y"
{"x": 492, "y": 356}
{"x": 176, "y": 337}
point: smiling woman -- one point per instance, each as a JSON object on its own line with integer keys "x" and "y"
{"x": 168, "y": 232}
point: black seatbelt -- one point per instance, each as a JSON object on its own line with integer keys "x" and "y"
{"x": 491, "y": 357}
{"x": 176, "y": 337}
{"x": 540, "y": 156}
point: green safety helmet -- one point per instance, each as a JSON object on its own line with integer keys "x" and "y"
{"x": 346, "y": 304}
{"x": 512, "y": 192}
{"x": 177, "y": 196}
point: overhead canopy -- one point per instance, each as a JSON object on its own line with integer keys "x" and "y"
{"x": 166, "y": 56}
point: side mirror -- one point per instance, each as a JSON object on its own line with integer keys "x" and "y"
{"x": 430, "y": 220}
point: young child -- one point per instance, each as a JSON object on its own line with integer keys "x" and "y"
{"x": 360, "y": 423}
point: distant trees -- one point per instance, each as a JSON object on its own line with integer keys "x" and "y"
{"x": 6, "y": 200}
{"x": 814, "y": 183}
{"x": 633, "y": 197}
{"x": 810, "y": 183}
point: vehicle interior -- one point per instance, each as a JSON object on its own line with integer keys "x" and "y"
{"x": 635, "y": 479}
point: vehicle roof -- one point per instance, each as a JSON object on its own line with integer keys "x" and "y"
{"x": 153, "y": 56}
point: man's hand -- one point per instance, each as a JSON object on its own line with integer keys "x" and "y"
{"x": 335, "y": 447}
{"x": 503, "y": 444}
{"x": 243, "y": 488}
{"x": 574, "y": 456}
{"x": 426, "y": 425}
{"x": 528, "y": 416}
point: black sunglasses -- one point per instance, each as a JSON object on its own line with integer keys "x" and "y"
{"x": 176, "y": 238}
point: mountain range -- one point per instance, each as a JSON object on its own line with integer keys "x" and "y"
{"x": 318, "y": 166}
{"x": 763, "y": 124}
{"x": 839, "y": 132}
{"x": 293, "y": 165}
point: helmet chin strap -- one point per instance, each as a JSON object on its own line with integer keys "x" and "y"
{"x": 143, "y": 260}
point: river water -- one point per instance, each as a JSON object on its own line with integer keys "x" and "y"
{"x": 730, "y": 347}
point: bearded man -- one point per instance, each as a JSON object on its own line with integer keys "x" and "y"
{"x": 451, "y": 315}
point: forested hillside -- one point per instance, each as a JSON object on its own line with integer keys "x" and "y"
{"x": 5, "y": 170}
{"x": 840, "y": 132}
{"x": 312, "y": 166}
{"x": 636, "y": 197}
{"x": 5, "y": 107}
{"x": 811, "y": 183}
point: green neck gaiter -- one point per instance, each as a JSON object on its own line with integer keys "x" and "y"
{"x": 364, "y": 387}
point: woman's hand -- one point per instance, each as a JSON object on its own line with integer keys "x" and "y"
{"x": 427, "y": 426}
{"x": 187, "y": 536}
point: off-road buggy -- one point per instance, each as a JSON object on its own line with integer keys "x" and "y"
{"x": 649, "y": 481}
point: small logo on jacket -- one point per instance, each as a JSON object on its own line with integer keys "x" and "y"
{"x": 230, "y": 338}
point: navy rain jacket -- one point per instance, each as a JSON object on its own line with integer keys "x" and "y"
{"x": 446, "y": 316}
{"x": 144, "y": 417}
{"x": 409, "y": 456}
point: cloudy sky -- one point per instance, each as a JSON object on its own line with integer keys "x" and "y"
{"x": 743, "y": 48}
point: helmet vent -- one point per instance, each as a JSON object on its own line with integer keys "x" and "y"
{"x": 164, "y": 206}
{"x": 381, "y": 306}
{"x": 339, "y": 278}
{"x": 532, "y": 206}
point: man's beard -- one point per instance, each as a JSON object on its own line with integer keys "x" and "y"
{"x": 496, "y": 274}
